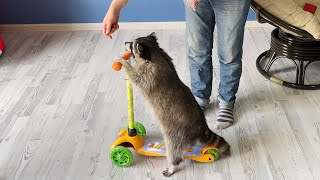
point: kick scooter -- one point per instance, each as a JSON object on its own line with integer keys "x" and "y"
{"x": 133, "y": 136}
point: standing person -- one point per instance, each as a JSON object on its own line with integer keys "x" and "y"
{"x": 201, "y": 17}
{"x": 229, "y": 17}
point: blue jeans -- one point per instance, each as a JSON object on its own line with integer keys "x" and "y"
{"x": 230, "y": 17}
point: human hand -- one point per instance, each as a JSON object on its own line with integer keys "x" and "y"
{"x": 110, "y": 23}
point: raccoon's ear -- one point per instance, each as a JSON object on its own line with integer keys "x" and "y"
{"x": 153, "y": 36}
{"x": 143, "y": 51}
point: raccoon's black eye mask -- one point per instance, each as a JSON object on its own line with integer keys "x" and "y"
{"x": 131, "y": 49}
{"x": 144, "y": 51}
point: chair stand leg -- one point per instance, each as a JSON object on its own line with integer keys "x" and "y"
{"x": 302, "y": 51}
{"x": 270, "y": 61}
{"x": 300, "y": 73}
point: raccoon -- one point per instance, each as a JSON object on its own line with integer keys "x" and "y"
{"x": 182, "y": 120}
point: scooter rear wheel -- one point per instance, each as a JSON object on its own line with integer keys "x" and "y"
{"x": 214, "y": 152}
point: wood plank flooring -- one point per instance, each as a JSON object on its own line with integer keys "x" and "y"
{"x": 61, "y": 107}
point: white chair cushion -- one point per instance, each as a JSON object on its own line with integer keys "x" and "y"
{"x": 291, "y": 11}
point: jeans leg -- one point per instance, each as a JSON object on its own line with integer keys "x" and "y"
{"x": 230, "y": 17}
{"x": 200, "y": 26}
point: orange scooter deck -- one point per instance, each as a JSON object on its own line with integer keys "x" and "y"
{"x": 158, "y": 148}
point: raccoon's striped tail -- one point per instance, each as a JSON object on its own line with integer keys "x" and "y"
{"x": 218, "y": 142}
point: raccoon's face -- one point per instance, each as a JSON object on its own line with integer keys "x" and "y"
{"x": 142, "y": 48}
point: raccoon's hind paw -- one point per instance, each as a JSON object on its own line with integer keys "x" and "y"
{"x": 167, "y": 173}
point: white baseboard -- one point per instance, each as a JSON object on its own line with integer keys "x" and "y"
{"x": 98, "y": 26}
{"x": 253, "y": 24}
{"x": 49, "y": 27}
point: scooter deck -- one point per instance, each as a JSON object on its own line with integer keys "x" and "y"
{"x": 158, "y": 148}
{"x": 151, "y": 147}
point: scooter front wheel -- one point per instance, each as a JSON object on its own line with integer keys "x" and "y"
{"x": 121, "y": 156}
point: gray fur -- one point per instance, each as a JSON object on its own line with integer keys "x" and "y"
{"x": 181, "y": 119}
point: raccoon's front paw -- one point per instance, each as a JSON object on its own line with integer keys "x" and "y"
{"x": 167, "y": 173}
{"x": 123, "y": 62}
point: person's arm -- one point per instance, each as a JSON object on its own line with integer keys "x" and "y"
{"x": 110, "y": 21}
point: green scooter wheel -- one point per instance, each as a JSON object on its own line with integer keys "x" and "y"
{"x": 121, "y": 156}
{"x": 140, "y": 129}
{"x": 214, "y": 152}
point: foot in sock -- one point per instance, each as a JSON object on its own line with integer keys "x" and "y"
{"x": 225, "y": 117}
{"x": 203, "y": 103}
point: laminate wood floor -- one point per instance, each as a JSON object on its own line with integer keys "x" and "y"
{"x": 61, "y": 107}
